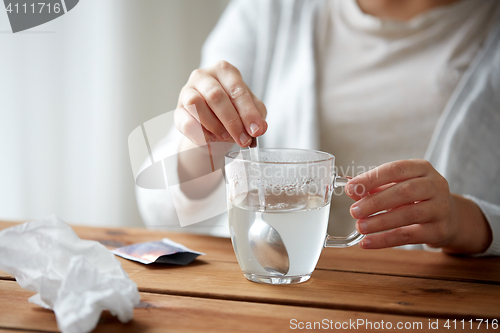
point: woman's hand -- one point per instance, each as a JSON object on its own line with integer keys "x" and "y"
{"x": 415, "y": 206}
{"x": 215, "y": 105}
{"x": 225, "y": 107}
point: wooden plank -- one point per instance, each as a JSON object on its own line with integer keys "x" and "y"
{"x": 354, "y": 259}
{"x": 17, "y": 313}
{"x": 160, "y": 313}
{"x": 216, "y": 248}
{"x": 326, "y": 289}
{"x": 8, "y": 224}
{"x": 2, "y": 330}
{"x": 412, "y": 263}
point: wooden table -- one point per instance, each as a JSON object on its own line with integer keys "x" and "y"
{"x": 351, "y": 286}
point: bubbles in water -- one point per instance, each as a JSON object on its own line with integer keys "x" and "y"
{"x": 277, "y": 206}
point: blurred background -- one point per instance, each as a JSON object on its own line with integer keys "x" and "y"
{"x": 72, "y": 90}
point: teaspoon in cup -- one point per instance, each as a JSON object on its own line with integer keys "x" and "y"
{"x": 268, "y": 247}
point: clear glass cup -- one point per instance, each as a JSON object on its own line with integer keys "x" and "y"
{"x": 279, "y": 205}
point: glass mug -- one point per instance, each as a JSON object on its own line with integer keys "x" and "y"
{"x": 279, "y": 205}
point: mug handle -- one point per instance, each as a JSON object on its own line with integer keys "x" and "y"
{"x": 354, "y": 237}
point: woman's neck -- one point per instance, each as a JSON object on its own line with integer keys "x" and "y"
{"x": 402, "y": 10}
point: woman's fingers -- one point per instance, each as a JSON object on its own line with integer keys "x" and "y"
{"x": 412, "y": 234}
{"x": 191, "y": 128}
{"x": 435, "y": 234}
{"x": 219, "y": 103}
{"x": 201, "y": 112}
{"x": 392, "y": 172}
{"x": 421, "y": 212}
{"x": 403, "y": 193}
{"x": 240, "y": 96}
{"x": 260, "y": 106}
{"x": 359, "y": 191}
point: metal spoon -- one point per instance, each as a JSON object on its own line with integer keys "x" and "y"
{"x": 268, "y": 247}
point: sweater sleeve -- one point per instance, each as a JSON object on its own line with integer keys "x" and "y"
{"x": 234, "y": 38}
{"x": 464, "y": 148}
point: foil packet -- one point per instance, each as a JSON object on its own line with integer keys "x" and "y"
{"x": 165, "y": 251}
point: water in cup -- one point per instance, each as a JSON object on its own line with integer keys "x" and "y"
{"x": 278, "y": 237}
{"x": 300, "y": 219}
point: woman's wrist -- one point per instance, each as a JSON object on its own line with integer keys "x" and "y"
{"x": 473, "y": 233}
{"x": 194, "y": 165}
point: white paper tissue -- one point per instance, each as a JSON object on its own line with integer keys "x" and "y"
{"x": 76, "y": 278}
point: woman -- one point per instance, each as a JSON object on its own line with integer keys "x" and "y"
{"x": 371, "y": 81}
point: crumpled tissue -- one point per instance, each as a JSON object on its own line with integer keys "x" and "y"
{"x": 76, "y": 278}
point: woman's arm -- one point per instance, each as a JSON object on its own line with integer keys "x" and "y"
{"x": 216, "y": 102}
